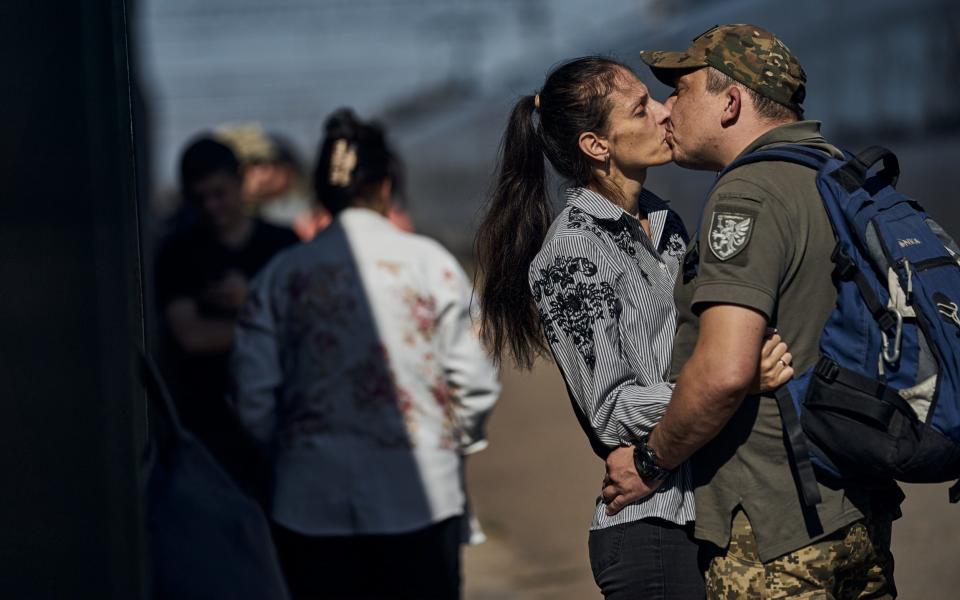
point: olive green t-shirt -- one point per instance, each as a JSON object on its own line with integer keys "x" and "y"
{"x": 764, "y": 243}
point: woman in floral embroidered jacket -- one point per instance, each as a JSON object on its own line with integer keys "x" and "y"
{"x": 594, "y": 286}
{"x": 358, "y": 366}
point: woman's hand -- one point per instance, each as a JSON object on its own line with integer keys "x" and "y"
{"x": 775, "y": 367}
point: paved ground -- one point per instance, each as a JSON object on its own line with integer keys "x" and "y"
{"x": 534, "y": 488}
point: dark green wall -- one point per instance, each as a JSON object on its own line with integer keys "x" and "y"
{"x": 71, "y": 410}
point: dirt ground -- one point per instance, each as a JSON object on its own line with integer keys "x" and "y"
{"x": 534, "y": 488}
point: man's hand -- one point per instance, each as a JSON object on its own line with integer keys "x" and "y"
{"x": 622, "y": 485}
{"x": 228, "y": 293}
{"x": 196, "y": 334}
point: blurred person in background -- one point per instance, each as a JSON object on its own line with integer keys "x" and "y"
{"x": 358, "y": 366}
{"x": 273, "y": 180}
{"x": 595, "y": 287}
{"x": 203, "y": 272}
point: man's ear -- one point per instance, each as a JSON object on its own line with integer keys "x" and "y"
{"x": 594, "y": 146}
{"x": 732, "y": 107}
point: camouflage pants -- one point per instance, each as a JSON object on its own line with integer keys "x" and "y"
{"x": 853, "y": 563}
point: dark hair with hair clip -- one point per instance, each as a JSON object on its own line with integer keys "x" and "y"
{"x": 574, "y": 99}
{"x": 352, "y": 160}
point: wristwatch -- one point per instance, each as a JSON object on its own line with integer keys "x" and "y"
{"x": 647, "y": 462}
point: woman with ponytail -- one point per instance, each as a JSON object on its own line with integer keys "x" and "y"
{"x": 594, "y": 286}
{"x": 357, "y": 365}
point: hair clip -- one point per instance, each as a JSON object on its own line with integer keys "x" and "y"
{"x": 536, "y": 101}
{"x": 343, "y": 160}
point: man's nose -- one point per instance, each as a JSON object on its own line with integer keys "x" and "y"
{"x": 669, "y": 103}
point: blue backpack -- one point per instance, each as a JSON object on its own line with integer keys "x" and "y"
{"x": 883, "y": 401}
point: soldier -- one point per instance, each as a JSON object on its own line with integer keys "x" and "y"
{"x": 762, "y": 258}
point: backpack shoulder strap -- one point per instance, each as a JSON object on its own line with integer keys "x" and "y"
{"x": 793, "y": 153}
{"x": 851, "y": 174}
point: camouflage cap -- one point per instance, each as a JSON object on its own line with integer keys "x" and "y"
{"x": 749, "y": 54}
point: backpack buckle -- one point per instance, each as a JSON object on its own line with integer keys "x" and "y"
{"x": 844, "y": 266}
{"x": 827, "y": 369}
{"x": 886, "y": 320}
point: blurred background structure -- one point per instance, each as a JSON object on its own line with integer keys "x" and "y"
{"x": 443, "y": 74}
{"x": 73, "y": 414}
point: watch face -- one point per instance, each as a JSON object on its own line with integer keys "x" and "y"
{"x": 646, "y": 464}
{"x": 643, "y": 462}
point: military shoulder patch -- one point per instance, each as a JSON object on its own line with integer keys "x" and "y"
{"x": 730, "y": 232}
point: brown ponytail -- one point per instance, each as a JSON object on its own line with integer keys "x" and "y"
{"x": 518, "y": 214}
{"x": 517, "y": 219}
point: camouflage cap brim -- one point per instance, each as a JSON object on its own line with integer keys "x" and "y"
{"x": 666, "y": 66}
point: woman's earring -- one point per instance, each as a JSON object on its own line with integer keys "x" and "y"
{"x": 606, "y": 164}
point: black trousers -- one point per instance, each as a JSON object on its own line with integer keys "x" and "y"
{"x": 646, "y": 560}
{"x": 420, "y": 565}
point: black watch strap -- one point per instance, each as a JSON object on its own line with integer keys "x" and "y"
{"x": 647, "y": 462}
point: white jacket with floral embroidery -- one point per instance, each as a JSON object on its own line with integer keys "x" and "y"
{"x": 357, "y": 362}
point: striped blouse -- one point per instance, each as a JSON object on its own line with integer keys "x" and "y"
{"x": 604, "y": 290}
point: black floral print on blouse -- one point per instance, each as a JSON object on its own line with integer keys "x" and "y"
{"x": 574, "y": 306}
{"x": 618, "y": 230}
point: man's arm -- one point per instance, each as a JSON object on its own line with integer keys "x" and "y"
{"x": 736, "y": 296}
{"x": 712, "y": 383}
{"x": 622, "y": 478}
{"x": 709, "y": 391}
{"x": 178, "y": 294}
{"x": 197, "y": 334}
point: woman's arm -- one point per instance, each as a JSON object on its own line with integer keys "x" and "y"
{"x": 468, "y": 370}
{"x": 578, "y": 288}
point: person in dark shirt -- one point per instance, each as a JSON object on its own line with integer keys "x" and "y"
{"x": 203, "y": 272}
